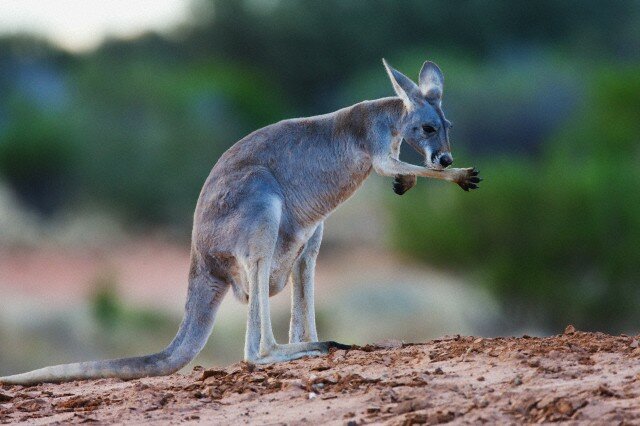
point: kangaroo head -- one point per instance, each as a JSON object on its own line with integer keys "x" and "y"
{"x": 422, "y": 124}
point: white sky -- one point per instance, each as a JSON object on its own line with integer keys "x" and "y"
{"x": 80, "y": 25}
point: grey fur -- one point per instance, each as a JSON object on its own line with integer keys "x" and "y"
{"x": 259, "y": 218}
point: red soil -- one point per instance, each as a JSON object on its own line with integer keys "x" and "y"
{"x": 575, "y": 377}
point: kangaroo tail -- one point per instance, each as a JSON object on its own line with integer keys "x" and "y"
{"x": 203, "y": 299}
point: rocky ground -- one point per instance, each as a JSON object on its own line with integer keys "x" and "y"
{"x": 575, "y": 377}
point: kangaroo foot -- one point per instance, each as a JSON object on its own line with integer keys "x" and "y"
{"x": 291, "y": 351}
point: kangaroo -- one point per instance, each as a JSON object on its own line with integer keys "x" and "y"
{"x": 259, "y": 218}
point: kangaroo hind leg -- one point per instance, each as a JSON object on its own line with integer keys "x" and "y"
{"x": 260, "y": 344}
{"x": 302, "y": 327}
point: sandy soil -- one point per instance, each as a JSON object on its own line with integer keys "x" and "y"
{"x": 575, "y": 377}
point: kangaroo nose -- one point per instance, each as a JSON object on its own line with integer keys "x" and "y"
{"x": 446, "y": 160}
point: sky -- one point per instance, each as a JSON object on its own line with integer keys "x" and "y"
{"x": 81, "y": 25}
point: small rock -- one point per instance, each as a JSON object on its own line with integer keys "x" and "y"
{"x": 388, "y": 344}
{"x": 410, "y": 406}
{"x": 389, "y": 395}
{"x": 605, "y": 390}
{"x": 554, "y": 354}
{"x": 321, "y": 367}
{"x": 212, "y": 373}
{"x": 534, "y": 363}
{"x": 634, "y": 344}
{"x": 438, "y": 371}
{"x": 481, "y": 403}
{"x": 480, "y": 378}
{"x": 258, "y": 378}
{"x": 570, "y": 329}
{"x": 444, "y": 417}
{"x": 31, "y": 405}
{"x": 564, "y": 407}
{"x": 165, "y": 399}
{"x": 517, "y": 381}
{"x": 416, "y": 419}
{"x": 313, "y": 395}
{"x": 338, "y": 354}
{"x": 140, "y": 386}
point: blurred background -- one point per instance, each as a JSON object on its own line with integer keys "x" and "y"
{"x": 113, "y": 113}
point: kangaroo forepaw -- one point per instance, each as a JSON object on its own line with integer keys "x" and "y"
{"x": 469, "y": 179}
{"x": 403, "y": 183}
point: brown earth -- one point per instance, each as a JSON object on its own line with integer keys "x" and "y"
{"x": 575, "y": 377}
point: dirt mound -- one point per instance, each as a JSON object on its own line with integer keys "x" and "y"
{"x": 575, "y": 376}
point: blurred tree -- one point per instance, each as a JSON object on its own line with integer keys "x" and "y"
{"x": 37, "y": 158}
{"x": 152, "y": 132}
{"x": 311, "y": 47}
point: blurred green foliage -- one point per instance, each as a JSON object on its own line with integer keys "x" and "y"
{"x": 556, "y": 238}
{"x": 110, "y": 312}
{"x": 37, "y": 157}
{"x": 107, "y": 308}
{"x": 312, "y": 47}
{"x": 151, "y": 135}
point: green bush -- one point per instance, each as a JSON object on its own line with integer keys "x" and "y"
{"x": 111, "y": 314}
{"x": 152, "y": 132}
{"x": 37, "y": 155}
{"x": 555, "y": 238}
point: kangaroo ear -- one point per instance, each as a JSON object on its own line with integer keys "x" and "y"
{"x": 406, "y": 89}
{"x": 431, "y": 81}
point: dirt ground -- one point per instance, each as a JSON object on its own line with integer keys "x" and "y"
{"x": 576, "y": 377}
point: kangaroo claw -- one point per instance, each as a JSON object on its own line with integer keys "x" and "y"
{"x": 470, "y": 180}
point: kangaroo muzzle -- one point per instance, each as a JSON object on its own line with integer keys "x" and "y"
{"x": 445, "y": 160}
{"x": 441, "y": 159}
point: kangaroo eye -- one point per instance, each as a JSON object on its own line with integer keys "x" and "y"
{"x": 428, "y": 129}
